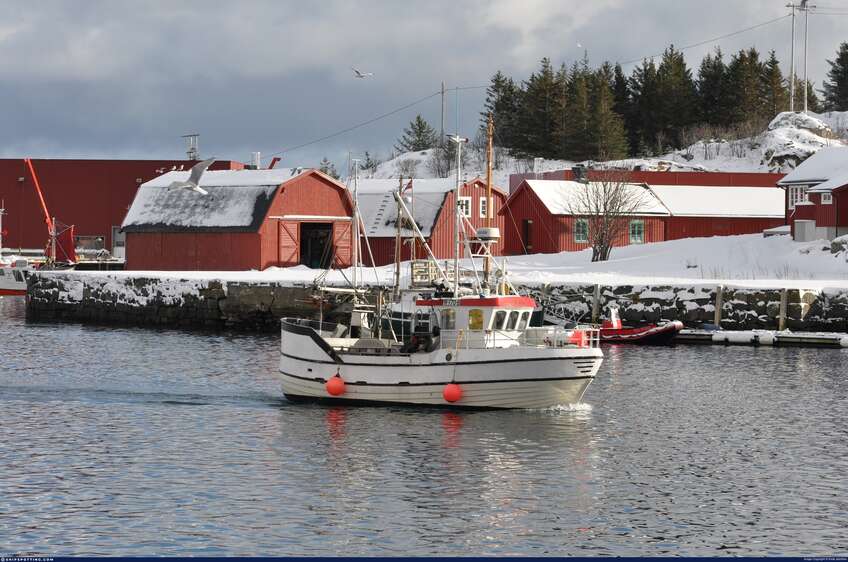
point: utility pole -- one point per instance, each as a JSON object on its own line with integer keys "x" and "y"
{"x": 806, "y": 8}
{"x": 792, "y": 62}
{"x": 442, "y": 133}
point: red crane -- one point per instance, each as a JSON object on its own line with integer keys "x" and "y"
{"x": 60, "y": 243}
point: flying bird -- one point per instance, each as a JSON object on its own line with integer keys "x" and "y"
{"x": 193, "y": 182}
{"x": 360, "y": 74}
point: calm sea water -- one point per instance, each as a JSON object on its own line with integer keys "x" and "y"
{"x": 134, "y": 442}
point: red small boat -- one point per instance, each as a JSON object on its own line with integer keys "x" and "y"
{"x": 651, "y": 334}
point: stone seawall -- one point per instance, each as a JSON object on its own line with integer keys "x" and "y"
{"x": 251, "y": 305}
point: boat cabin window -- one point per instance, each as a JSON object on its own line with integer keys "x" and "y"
{"x": 498, "y": 320}
{"x": 525, "y": 317}
{"x": 475, "y": 319}
{"x": 448, "y": 321}
{"x": 513, "y": 320}
{"x": 18, "y": 277}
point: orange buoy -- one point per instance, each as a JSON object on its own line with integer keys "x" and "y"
{"x": 452, "y": 392}
{"x": 335, "y": 385}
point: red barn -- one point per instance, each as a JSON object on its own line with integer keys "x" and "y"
{"x": 93, "y": 195}
{"x": 250, "y": 219}
{"x": 539, "y": 214}
{"x": 817, "y": 196}
{"x": 431, "y": 201}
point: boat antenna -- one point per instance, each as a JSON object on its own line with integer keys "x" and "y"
{"x": 398, "y": 242}
{"x": 487, "y": 260}
{"x": 355, "y": 224}
{"x": 457, "y": 222}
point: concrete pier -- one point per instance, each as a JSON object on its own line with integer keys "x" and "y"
{"x": 250, "y": 305}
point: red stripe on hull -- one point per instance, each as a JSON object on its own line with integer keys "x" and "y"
{"x": 12, "y": 292}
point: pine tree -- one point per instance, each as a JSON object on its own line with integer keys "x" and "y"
{"x": 744, "y": 86}
{"x": 646, "y": 105}
{"x": 624, "y": 107}
{"x": 835, "y": 88}
{"x": 677, "y": 94}
{"x": 712, "y": 89}
{"x": 774, "y": 92}
{"x": 576, "y": 136}
{"x": 607, "y": 138}
{"x": 370, "y": 163}
{"x": 537, "y": 116}
{"x": 328, "y": 168}
{"x": 503, "y": 101}
{"x": 419, "y": 135}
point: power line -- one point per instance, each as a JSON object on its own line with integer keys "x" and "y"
{"x": 714, "y": 39}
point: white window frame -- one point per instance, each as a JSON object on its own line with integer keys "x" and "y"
{"x": 585, "y": 238}
{"x": 484, "y": 206}
{"x": 641, "y": 239}
{"x": 797, "y": 194}
{"x": 827, "y": 199}
{"x": 464, "y": 206}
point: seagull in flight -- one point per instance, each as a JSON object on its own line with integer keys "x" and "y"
{"x": 192, "y": 184}
{"x": 360, "y": 74}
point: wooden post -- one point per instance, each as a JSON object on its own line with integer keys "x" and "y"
{"x": 719, "y": 303}
{"x": 784, "y": 302}
{"x": 596, "y": 304}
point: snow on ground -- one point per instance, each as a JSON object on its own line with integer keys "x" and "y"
{"x": 745, "y": 261}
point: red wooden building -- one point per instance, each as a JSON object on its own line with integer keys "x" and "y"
{"x": 93, "y": 195}
{"x": 817, "y": 196}
{"x": 250, "y": 219}
{"x": 539, "y": 214}
{"x": 744, "y": 179}
{"x": 431, "y": 201}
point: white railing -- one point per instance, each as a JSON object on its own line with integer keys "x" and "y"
{"x": 545, "y": 336}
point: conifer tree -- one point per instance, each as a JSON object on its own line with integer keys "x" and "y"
{"x": 774, "y": 92}
{"x": 744, "y": 86}
{"x": 624, "y": 107}
{"x": 328, "y": 168}
{"x": 537, "y": 116}
{"x": 835, "y": 88}
{"x": 677, "y": 94}
{"x": 503, "y": 101}
{"x": 607, "y": 138}
{"x": 646, "y": 104}
{"x": 577, "y": 139}
{"x": 712, "y": 89}
{"x": 419, "y": 135}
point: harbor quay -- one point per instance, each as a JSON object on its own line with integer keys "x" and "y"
{"x": 199, "y": 300}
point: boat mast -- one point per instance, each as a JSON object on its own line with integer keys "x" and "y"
{"x": 2, "y": 212}
{"x": 487, "y": 259}
{"x": 457, "y": 216}
{"x": 398, "y": 242}
{"x": 355, "y": 225}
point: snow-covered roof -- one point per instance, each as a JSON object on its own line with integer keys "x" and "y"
{"x": 820, "y": 167}
{"x": 563, "y": 197}
{"x": 275, "y": 176}
{"x": 721, "y": 201}
{"x": 424, "y": 200}
{"x": 237, "y": 200}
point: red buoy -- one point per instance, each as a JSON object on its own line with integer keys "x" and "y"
{"x": 335, "y": 386}
{"x": 452, "y": 392}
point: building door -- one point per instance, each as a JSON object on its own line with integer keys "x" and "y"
{"x": 316, "y": 244}
{"x": 289, "y": 254}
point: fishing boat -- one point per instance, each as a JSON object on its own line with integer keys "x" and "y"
{"x": 470, "y": 342}
{"x": 13, "y": 270}
{"x": 612, "y": 331}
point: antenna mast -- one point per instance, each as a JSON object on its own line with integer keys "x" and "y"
{"x": 487, "y": 260}
{"x": 192, "y": 146}
{"x": 458, "y": 222}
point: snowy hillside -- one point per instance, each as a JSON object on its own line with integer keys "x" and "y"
{"x": 788, "y": 140}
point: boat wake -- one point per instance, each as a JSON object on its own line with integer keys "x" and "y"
{"x": 579, "y": 407}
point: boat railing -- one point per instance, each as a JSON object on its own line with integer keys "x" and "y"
{"x": 545, "y": 336}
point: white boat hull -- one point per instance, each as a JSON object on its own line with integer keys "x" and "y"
{"x": 517, "y": 377}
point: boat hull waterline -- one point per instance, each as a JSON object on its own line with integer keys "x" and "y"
{"x": 522, "y": 377}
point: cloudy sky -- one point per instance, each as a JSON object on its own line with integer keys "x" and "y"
{"x": 126, "y": 79}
